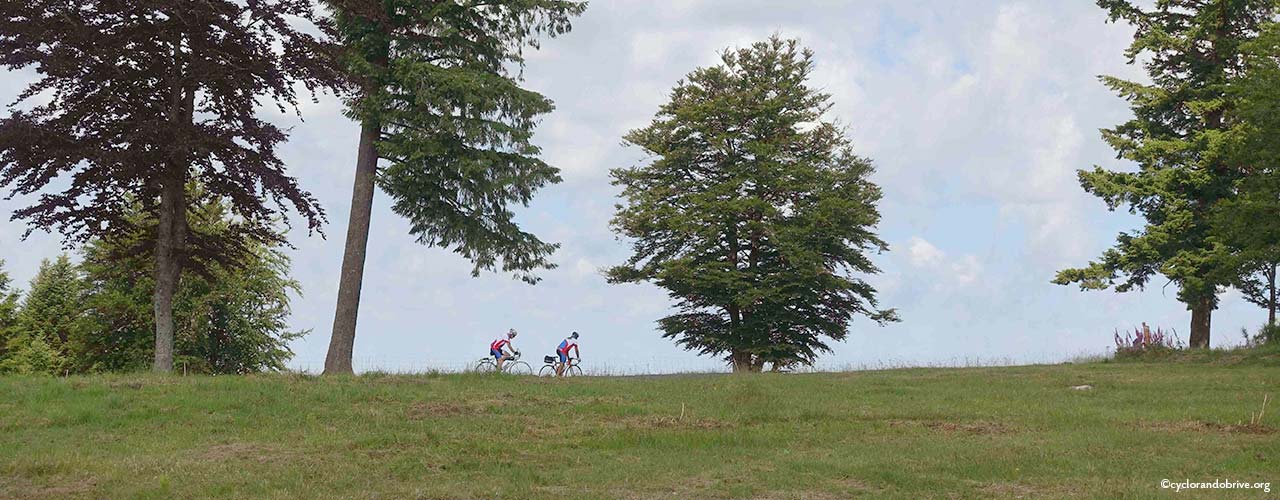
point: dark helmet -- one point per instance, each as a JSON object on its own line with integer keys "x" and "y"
{"x": 574, "y": 335}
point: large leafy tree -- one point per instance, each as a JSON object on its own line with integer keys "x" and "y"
{"x": 51, "y": 319}
{"x": 433, "y": 89}
{"x": 137, "y": 98}
{"x": 230, "y": 318}
{"x": 1180, "y": 139}
{"x": 754, "y": 213}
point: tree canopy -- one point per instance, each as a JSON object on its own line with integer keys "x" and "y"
{"x": 754, "y": 213}
{"x": 1253, "y": 247}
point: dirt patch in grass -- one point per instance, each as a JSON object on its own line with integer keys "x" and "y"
{"x": 1203, "y": 426}
{"x": 674, "y": 422}
{"x": 1005, "y": 489}
{"x": 976, "y": 427}
{"x": 21, "y": 487}
{"x": 259, "y": 452}
{"x": 419, "y": 411}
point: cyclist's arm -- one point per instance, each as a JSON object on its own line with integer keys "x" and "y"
{"x": 511, "y": 348}
{"x": 575, "y": 351}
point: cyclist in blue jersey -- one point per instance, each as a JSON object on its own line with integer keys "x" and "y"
{"x": 563, "y": 351}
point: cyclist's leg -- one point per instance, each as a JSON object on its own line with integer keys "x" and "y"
{"x": 498, "y": 357}
{"x": 560, "y": 366}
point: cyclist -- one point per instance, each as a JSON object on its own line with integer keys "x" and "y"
{"x": 563, "y": 351}
{"x": 502, "y": 349}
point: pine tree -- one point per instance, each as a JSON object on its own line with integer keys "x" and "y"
{"x": 144, "y": 97}
{"x": 435, "y": 97}
{"x": 754, "y": 214}
{"x": 8, "y": 309}
{"x": 1180, "y": 139}
{"x": 50, "y": 320}
{"x": 229, "y": 318}
{"x": 1255, "y": 147}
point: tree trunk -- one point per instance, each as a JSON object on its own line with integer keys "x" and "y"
{"x": 1271, "y": 295}
{"x": 343, "y": 340}
{"x": 741, "y": 361}
{"x": 1201, "y": 311}
{"x": 171, "y": 229}
{"x": 170, "y": 245}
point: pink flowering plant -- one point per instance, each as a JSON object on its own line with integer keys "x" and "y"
{"x": 1144, "y": 340}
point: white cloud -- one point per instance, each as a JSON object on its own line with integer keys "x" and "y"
{"x": 945, "y": 272}
{"x": 923, "y": 253}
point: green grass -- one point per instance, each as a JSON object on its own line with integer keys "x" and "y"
{"x": 910, "y": 433}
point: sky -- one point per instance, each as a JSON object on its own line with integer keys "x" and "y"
{"x": 976, "y": 114}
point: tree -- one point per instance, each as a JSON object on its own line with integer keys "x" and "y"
{"x": 229, "y": 318}
{"x": 51, "y": 319}
{"x": 145, "y": 96}
{"x": 8, "y": 309}
{"x": 754, "y": 213}
{"x": 1254, "y": 248}
{"x": 1255, "y": 146}
{"x": 436, "y": 99}
{"x": 1179, "y": 138}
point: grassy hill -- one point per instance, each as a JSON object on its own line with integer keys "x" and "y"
{"x": 974, "y": 432}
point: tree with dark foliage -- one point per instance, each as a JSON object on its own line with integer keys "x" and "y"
{"x": 436, "y": 99}
{"x": 143, "y": 98}
{"x": 754, "y": 213}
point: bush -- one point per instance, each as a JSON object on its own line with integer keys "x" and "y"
{"x": 1267, "y": 335}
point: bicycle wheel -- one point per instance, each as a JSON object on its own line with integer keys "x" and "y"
{"x": 486, "y": 365}
{"x": 517, "y": 368}
{"x": 574, "y": 370}
{"x": 547, "y": 371}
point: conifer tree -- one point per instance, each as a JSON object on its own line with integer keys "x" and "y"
{"x": 754, "y": 214}
{"x": 1179, "y": 138}
{"x": 51, "y": 319}
{"x": 8, "y": 308}
{"x": 437, "y": 100}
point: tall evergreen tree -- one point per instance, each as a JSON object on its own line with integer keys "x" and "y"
{"x": 51, "y": 319}
{"x": 1180, "y": 139}
{"x": 143, "y": 97}
{"x": 436, "y": 99}
{"x": 1255, "y": 148}
{"x": 754, "y": 214}
{"x": 8, "y": 308}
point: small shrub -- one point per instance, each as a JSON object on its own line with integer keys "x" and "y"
{"x": 1268, "y": 334}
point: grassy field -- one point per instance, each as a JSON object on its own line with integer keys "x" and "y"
{"x": 910, "y": 433}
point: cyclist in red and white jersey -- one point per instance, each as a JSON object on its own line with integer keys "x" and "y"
{"x": 562, "y": 350}
{"x": 502, "y": 349}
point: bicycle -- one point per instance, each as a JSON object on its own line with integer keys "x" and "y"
{"x": 512, "y": 365}
{"x": 549, "y": 369}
